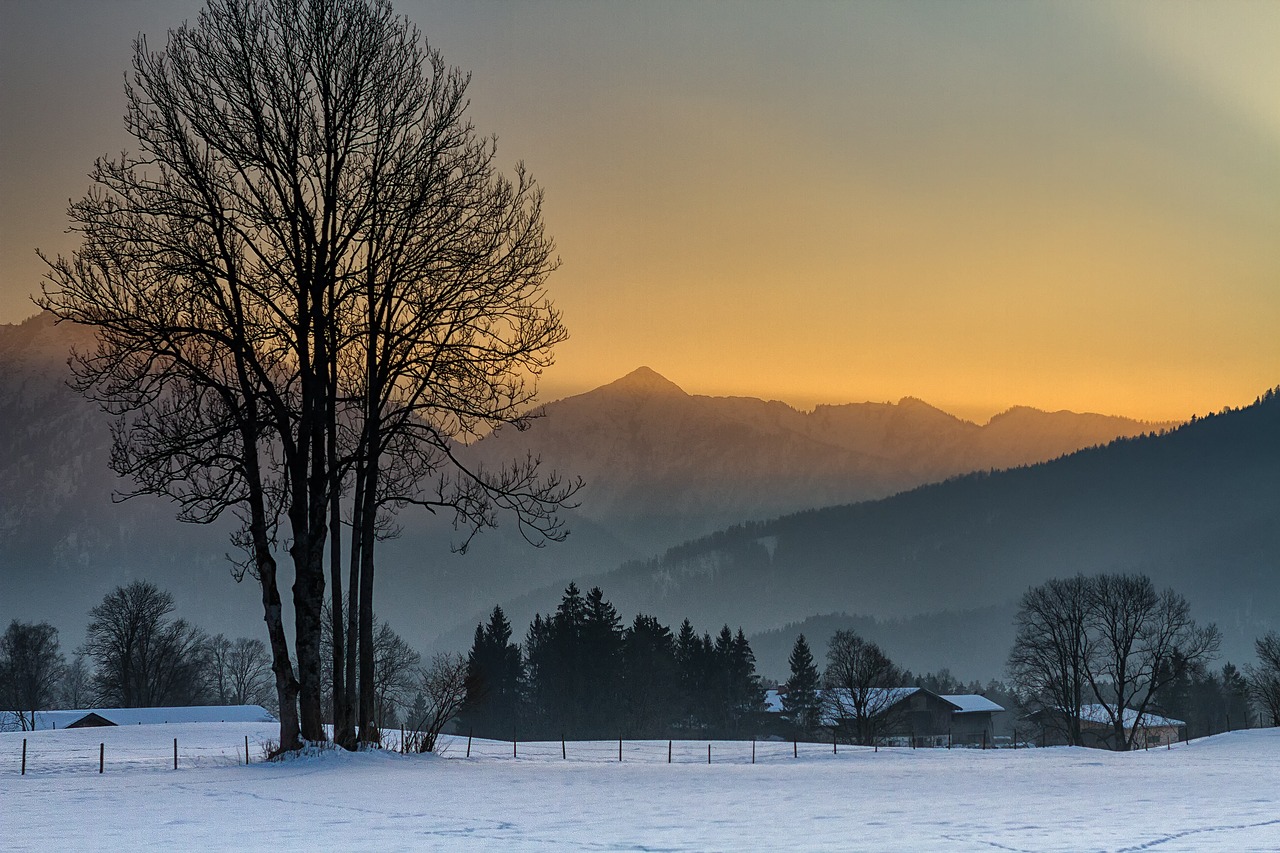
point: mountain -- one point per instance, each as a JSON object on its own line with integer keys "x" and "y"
{"x": 1196, "y": 508}
{"x": 662, "y": 466}
{"x": 660, "y": 463}
{"x": 65, "y": 540}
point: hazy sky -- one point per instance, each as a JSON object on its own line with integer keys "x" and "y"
{"x": 1069, "y": 205}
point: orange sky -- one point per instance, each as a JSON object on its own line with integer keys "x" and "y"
{"x": 979, "y": 204}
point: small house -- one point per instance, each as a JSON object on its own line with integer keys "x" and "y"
{"x": 90, "y": 717}
{"x": 973, "y": 722}
{"x": 1097, "y": 730}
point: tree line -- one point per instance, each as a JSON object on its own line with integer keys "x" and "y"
{"x": 137, "y": 654}
{"x": 581, "y": 673}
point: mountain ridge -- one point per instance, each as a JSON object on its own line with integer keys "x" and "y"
{"x": 663, "y": 466}
{"x": 1196, "y": 508}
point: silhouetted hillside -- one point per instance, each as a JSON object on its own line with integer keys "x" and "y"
{"x": 1197, "y": 508}
{"x": 662, "y": 466}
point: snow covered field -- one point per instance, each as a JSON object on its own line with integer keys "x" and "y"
{"x": 1217, "y": 794}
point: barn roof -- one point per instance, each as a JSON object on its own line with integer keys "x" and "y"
{"x": 146, "y": 716}
{"x": 970, "y": 703}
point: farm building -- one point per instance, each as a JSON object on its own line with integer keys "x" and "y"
{"x": 974, "y": 722}
{"x": 1096, "y": 728}
{"x": 910, "y": 714}
{"x": 89, "y": 717}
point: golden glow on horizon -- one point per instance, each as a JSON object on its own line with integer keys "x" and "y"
{"x": 978, "y": 204}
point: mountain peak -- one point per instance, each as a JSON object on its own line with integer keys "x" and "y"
{"x": 646, "y": 380}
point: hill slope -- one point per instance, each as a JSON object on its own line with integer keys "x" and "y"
{"x": 662, "y": 466}
{"x": 1197, "y": 508}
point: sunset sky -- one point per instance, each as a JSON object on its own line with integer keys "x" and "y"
{"x": 1071, "y": 205}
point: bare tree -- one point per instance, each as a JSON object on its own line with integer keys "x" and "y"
{"x": 142, "y": 658}
{"x": 1051, "y": 651}
{"x": 442, "y": 689}
{"x": 77, "y": 684}
{"x": 309, "y": 284}
{"x": 240, "y": 672}
{"x": 1264, "y": 679}
{"x": 395, "y": 676}
{"x": 1113, "y": 634}
{"x": 1137, "y": 631}
{"x": 860, "y": 681}
{"x": 31, "y": 665}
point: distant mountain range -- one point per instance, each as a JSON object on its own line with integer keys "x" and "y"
{"x": 661, "y": 466}
{"x": 1197, "y": 508}
{"x": 659, "y": 462}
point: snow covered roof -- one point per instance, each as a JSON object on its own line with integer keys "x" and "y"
{"x": 149, "y": 716}
{"x": 970, "y": 703}
{"x": 1099, "y": 714}
{"x": 879, "y": 698}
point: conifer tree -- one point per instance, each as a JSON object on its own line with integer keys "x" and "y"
{"x": 494, "y": 676}
{"x": 691, "y": 675}
{"x": 601, "y": 667}
{"x": 650, "y": 679}
{"x": 800, "y": 701}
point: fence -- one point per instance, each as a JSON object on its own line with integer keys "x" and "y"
{"x": 107, "y": 751}
{"x": 153, "y": 748}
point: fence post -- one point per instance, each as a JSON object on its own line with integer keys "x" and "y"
{"x": 668, "y": 752}
{"x": 708, "y": 753}
{"x": 753, "y": 749}
{"x": 984, "y": 738}
{"x": 102, "y": 756}
{"x": 403, "y": 751}
{"x": 795, "y": 747}
{"x": 175, "y": 753}
{"x": 513, "y": 743}
{"x": 470, "y": 732}
{"x": 564, "y": 755}
{"x": 24, "y": 757}
{"x": 619, "y": 749}
{"x": 948, "y": 737}
{"x": 833, "y": 742}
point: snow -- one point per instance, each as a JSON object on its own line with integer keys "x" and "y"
{"x": 1216, "y": 794}
{"x": 1100, "y": 714}
{"x": 969, "y": 703}
{"x": 154, "y": 716}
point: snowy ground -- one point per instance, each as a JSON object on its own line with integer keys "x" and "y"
{"x": 1217, "y": 794}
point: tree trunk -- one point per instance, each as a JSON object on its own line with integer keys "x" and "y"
{"x": 354, "y": 640}
{"x": 343, "y": 732}
{"x": 368, "y": 727}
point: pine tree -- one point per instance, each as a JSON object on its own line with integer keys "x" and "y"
{"x": 800, "y": 702}
{"x": 691, "y": 671}
{"x": 650, "y": 679}
{"x": 494, "y": 676}
{"x": 601, "y": 667}
{"x": 746, "y": 696}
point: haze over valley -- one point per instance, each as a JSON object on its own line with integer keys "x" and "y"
{"x": 660, "y": 466}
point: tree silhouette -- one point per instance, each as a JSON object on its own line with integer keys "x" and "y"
{"x": 310, "y": 284}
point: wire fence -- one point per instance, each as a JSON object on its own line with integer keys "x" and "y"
{"x": 141, "y": 751}
{"x": 154, "y": 748}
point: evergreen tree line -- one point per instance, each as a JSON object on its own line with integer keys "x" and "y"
{"x": 580, "y": 673}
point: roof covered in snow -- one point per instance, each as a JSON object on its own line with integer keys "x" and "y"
{"x": 970, "y": 703}
{"x": 1101, "y": 714}
{"x": 147, "y": 716}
